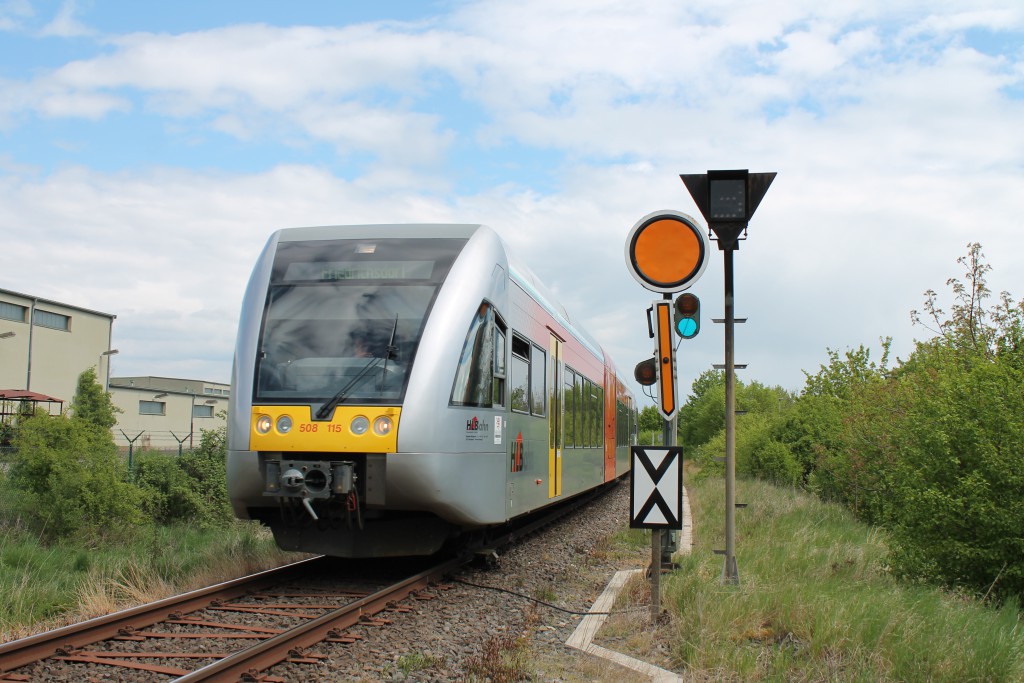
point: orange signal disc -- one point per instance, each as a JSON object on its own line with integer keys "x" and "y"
{"x": 667, "y": 251}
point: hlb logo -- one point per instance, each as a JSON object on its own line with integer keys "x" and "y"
{"x": 476, "y": 429}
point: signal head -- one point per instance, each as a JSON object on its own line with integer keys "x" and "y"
{"x": 687, "y": 315}
{"x": 646, "y": 372}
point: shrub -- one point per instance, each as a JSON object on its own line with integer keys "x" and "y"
{"x": 168, "y": 493}
{"x": 74, "y": 475}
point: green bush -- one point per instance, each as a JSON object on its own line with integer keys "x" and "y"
{"x": 168, "y": 494}
{"x": 932, "y": 448}
{"x": 206, "y": 467}
{"x": 191, "y": 488}
{"x": 774, "y": 461}
{"x": 75, "y": 477}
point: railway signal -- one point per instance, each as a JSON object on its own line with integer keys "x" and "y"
{"x": 666, "y": 252}
{"x": 666, "y": 359}
{"x": 727, "y": 200}
{"x": 646, "y": 372}
{"x": 687, "y": 316}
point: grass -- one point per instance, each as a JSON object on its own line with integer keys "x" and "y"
{"x": 504, "y": 657}
{"x": 45, "y": 586}
{"x": 816, "y": 604}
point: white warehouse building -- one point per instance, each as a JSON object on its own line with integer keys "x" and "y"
{"x": 45, "y": 345}
{"x": 165, "y": 413}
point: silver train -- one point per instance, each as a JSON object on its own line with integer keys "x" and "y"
{"x": 396, "y": 387}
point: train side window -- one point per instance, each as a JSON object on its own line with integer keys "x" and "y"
{"x": 587, "y": 389}
{"x": 598, "y": 423}
{"x": 538, "y": 379}
{"x": 474, "y": 376}
{"x": 621, "y": 423}
{"x": 499, "y": 366}
{"x": 570, "y": 409}
{"x": 582, "y": 411}
{"x": 520, "y": 375}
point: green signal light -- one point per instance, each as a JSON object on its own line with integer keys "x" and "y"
{"x": 687, "y": 328}
{"x": 686, "y": 318}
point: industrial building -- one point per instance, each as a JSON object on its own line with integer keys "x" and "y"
{"x": 165, "y": 413}
{"x": 45, "y": 345}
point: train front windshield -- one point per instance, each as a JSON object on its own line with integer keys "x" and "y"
{"x": 347, "y": 316}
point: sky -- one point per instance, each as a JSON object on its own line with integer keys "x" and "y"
{"x": 148, "y": 150}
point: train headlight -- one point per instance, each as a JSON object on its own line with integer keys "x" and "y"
{"x": 263, "y": 424}
{"x": 284, "y": 424}
{"x": 382, "y": 425}
{"x": 359, "y": 425}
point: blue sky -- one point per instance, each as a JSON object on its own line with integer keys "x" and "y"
{"x": 147, "y": 151}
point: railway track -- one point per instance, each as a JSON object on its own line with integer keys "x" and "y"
{"x": 234, "y": 630}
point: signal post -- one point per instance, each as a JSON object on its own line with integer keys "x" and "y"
{"x": 666, "y": 252}
{"x": 727, "y": 200}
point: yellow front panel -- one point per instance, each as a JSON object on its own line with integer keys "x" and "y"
{"x": 335, "y": 436}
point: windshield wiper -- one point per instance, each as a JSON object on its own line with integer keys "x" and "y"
{"x": 391, "y": 350}
{"x": 326, "y": 408}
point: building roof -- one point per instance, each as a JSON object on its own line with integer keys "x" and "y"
{"x": 23, "y": 395}
{"x": 51, "y": 302}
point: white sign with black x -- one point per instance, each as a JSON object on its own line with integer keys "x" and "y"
{"x": 656, "y": 496}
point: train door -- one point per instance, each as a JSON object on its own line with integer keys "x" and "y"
{"x": 555, "y": 427}
{"x": 610, "y": 435}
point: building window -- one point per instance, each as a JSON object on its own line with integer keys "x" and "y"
{"x": 54, "y": 321}
{"x": 202, "y": 411}
{"x": 9, "y": 311}
{"x": 152, "y": 408}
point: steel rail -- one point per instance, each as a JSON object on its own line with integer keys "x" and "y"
{"x": 262, "y": 656}
{"x": 19, "y": 653}
{"x": 276, "y": 649}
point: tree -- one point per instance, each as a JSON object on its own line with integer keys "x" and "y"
{"x": 650, "y": 419}
{"x": 91, "y": 404}
{"x": 703, "y": 414}
{"x": 959, "y": 479}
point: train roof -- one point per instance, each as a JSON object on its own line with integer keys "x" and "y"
{"x": 385, "y": 230}
{"x": 519, "y": 272}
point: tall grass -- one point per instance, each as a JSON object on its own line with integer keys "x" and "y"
{"x": 816, "y": 603}
{"x": 47, "y": 586}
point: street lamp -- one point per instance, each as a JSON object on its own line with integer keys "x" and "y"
{"x": 192, "y": 422}
{"x": 108, "y": 353}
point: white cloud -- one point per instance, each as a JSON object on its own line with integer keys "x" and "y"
{"x": 13, "y": 14}
{"x": 891, "y": 157}
{"x": 65, "y": 25}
